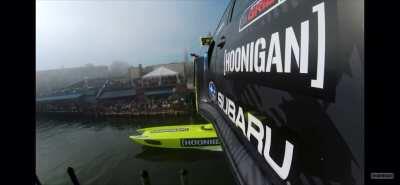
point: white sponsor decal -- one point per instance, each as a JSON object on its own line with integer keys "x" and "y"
{"x": 200, "y": 142}
{"x": 376, "y": 175}
{"x": 253, "y": 128}
{"x": 254, "y": 56}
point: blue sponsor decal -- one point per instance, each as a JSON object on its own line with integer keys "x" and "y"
{"x": 212, "y": 90}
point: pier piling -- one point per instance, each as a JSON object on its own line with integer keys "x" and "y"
{"x": 72, "y": 175}
{"x": 144, "y": 176}
{"x": 37, "y": 182}
{"x": 183, "y": 177}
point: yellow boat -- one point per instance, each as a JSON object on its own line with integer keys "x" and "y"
{"x": 201, "y": 137}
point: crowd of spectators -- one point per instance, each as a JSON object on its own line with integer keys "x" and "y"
{"x": 59, "y": 107}
{"x": 169, "y": 80}
{"x": 149, "y": 83}
{"x": 171, "y": 104}
{"x": 133, "y": 105}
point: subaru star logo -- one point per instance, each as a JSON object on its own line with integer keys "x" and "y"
{"x": 212, "y": 90}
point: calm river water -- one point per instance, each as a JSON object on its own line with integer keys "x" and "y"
{"x": 101, "y": 153}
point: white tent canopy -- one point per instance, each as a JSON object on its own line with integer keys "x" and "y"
{"x": 160, "y": 72}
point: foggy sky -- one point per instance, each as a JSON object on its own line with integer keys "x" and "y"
{"x": 76, "y": 32}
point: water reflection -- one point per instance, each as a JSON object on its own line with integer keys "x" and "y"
{"x": 178, "y": 155}
{"x": 101, "y": 152}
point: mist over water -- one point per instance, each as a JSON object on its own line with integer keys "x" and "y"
{"x": 74, "y": 33}
{"x": 101, "y": 153}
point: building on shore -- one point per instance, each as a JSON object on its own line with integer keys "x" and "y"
{"x": 157, "y": 92}
{"x": 50, "y": 80}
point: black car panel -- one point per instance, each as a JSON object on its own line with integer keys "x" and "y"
{"x": 285, "y": 90}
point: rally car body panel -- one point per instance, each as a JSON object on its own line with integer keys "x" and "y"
{"x": 283, "y": 84}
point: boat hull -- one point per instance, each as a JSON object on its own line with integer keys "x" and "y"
{"x": 201, "y": 137}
